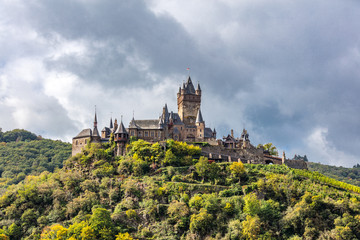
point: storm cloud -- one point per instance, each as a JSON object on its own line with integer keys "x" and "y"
{"x": 287, "y": 71}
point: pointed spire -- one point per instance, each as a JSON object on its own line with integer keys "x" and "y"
{"x": 95, "y": 132}
{"x": 189, "y": 86}
{"x": 198, "y": 87}
{"x": 133, "y": 123}
{"x": 111, "y": 124}
{"x": 199, "y": 118}
{"x": 95, "y": 118}
{"x": 214, "y": 130}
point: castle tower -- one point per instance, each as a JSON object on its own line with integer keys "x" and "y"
{"x": 189, "y": 100}
{"x": 200, "y": 126}
{"x": 121, "y": 137}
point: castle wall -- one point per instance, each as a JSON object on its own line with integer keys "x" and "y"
{"x": 78, "y": 144}
{"x": 298, "y": 164}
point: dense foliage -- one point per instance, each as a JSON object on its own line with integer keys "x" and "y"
{"x": 166, "y": 191}
{"x": 29, "y": 157}
{"x": 348, "y": 175}
{"x": 17, "y": 135}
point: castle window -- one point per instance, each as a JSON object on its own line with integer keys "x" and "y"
{"x": 132, "y": 133}
{"x": 200, "y": 130}
{"x": 146, "y": 134}
{"x": 181, "y": 128}
{"x": 76, "y": 142}
{"x": 140, "y": 134}
{"x": 200, "y": 135}
{"x": 152, "y": 134}
{"x": 85, "y": 141}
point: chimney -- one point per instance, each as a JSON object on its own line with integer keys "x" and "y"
{"x": 232, "y": 133}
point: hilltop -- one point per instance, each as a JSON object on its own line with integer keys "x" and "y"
{"x": 23, "y": 153}
{"x": 172, "y": 193}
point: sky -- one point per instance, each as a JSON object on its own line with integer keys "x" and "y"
{"x": 287, "y": 71}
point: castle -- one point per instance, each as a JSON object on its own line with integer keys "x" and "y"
{"x": 186, "y": 125}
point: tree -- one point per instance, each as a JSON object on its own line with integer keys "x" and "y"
{"x": 237, "y": 169}
{"x": 201, "y": 222}
{"x": 14, "y": 231}
{"x": 251, "y": 227}
{"x": 124, "y": 236}
{"x": 271, "y": 148}
{"x": 101, "y": 223}
{"x": 178, "y": 209}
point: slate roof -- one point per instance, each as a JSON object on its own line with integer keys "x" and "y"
{"x": 121, "y": 128}
{"x": 147, "y": 124}
{"x": 105, "y": 129}
{"x": 208, "y": 133}
{"x": 189, "y": 87}
{"x": 132, "y": 124}
{"x": 176, "y": 119}
{"x": 199, "y": 118}
{"x": 95, "y": 132}
{"x": 84, "y": 133}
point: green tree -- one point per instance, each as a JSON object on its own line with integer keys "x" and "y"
{"x": 101, "y": 223}
{"x": 271, "y": 148}
{"x": 201, "y": 223}
{"x": 237, "y": 169}
{"x": 14, "y": 232}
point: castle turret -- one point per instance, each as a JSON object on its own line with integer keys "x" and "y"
{"x": 198, "y": 89}
{"x": 121, "y": 137}
{"x": 200, "y": 126}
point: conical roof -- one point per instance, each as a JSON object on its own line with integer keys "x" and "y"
{"x": 121, "y": 128}
{"x": 198, "y": 87}
{"x": 189, "y": 86}
{"x": 199, "y": 118}
{"x": 111, "y": 124}
{"x": 95, "y": 132}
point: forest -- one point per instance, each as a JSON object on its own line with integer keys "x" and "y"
{"x": 167, "y": 191}
{"x": 23, "y": 153}
{"x": 348, "y": 175}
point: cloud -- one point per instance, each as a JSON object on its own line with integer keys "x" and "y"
{"x": 278, "y": 68}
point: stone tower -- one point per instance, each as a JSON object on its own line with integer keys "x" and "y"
{"x": 121, "y": 138}
{"x": 188, "y": 100}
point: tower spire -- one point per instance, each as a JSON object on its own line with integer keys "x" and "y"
{"x": 95, "y": 133}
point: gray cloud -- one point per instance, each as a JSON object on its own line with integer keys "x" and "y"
{"x": 288, "y": 71}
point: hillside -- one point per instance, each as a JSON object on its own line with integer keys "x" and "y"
{"x": 158, "y": 194}
{"x": 348, "y": 175}
{"x": 23, "y": 153}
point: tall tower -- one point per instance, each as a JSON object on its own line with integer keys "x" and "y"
{"x": 188, "y": 100}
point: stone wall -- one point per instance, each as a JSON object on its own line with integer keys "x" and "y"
{"x": 298, "y": 164}
{"x": 78, "y": 144}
